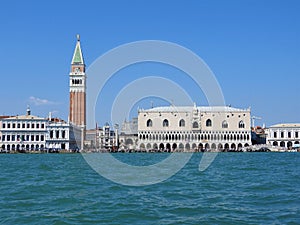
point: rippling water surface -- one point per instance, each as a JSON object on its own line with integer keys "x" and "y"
{"x": 238, "y": 188}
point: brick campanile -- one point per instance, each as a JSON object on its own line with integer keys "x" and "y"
{"x": 77, "y": 111}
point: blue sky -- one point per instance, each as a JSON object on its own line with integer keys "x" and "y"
{"x": 252, "y": 47}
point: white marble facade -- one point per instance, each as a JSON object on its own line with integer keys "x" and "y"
{"x": 24, "y": 132}
{"x": 192, "y": 128}
{"x": 284, "y": 135}
{"x": 32, "y": 133}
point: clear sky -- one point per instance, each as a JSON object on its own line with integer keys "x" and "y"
{"x": 253, "y": 48}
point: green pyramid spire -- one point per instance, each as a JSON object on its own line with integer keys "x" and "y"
{"x": 77, "y": 57}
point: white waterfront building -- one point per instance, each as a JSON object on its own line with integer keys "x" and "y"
{"x": 285, "y": 135}
{"x": 33, "y": 133}
{"x": 62, "y": 135}
{"x": 108, "y": 138}
{"x": 192, "y": 128}
{"x": 25, "y": 132}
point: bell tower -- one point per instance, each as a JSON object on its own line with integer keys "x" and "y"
{"x": 77, "y": 111}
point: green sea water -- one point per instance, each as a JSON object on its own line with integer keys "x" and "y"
{"x": 238, "y": 188}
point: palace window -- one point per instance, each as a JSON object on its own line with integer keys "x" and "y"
{"x": 224, "y": 124}
{"x": 282, "y": 134}
{"x": 149, "y": 123}
{"x": 289, "y": 134}
{"x": 241, "y": 124}
{"x": 208, "y": 123}
{"x": 165, "y": 123}
{"x": 296, "y": 134}
{"x": 275, "y": 134}
{"x": 182, "y": 123}
{"x": 63, "y": 134}
{"x": 195, "y": 125}
{"x": 3, "y": 125}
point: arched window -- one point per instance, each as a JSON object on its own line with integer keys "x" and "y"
{"x": 195, "y": 125}
{"x": 241, "y": 124}
{"x": 224, "y": 124}
{"x": 165, "y": 123}
{"x": 208, "y": 123}
{"x": 149, "y": 123}
{"x": 181, "y": 123}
